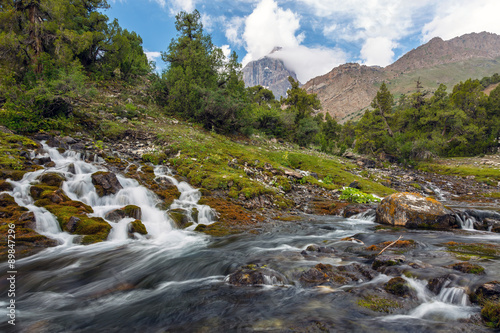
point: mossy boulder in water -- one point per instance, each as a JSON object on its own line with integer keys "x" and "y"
{"x": 52, "y": 179}
{"x": 399, "y": 287}
{"x": 488, "y": 296}
{"x": 256, "y": 275}
{"x": 179, "y": 218}
{"x": 132, "y": 211}
{"x": 413, "y": 210}
{"x": 326, "y": 274}
{"x": 106, "y": 183}
{"x": 136, "y": 227}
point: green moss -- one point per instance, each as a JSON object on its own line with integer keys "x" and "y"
{"x": 491, "y": 314}
{"x": 467, "y": 267}
{"x": 480, "y": 173}
{"x": 379, "y": 304}
{"x": 155, "y": 158}
{"x": 475, "y": 249}
{"x": 139, "y": 227}
{"x": 397, "y": 286}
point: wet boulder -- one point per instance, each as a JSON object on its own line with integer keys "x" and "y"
{"x": 121, "y": 213}
{"x": 320, "y": 249}
{"x": 180, "y": 218}
{"x": 399, "y": 287}
{"x": 489, "y": 291}
{"x": 412, "y": 210}
{"x": 256, "y": 275}
{"x": 106, "y": 183}
{"x": 326, "y": 274}
{"x": 468, "y": 268}
{"x": 52, "y": 179}
{"x": 388, "y": 260}
{"x": 136, "y": 227}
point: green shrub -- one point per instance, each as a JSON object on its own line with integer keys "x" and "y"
{"x": 354, "y": 195}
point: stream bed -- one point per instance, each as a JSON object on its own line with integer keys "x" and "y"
{"x": 184, "y": 281}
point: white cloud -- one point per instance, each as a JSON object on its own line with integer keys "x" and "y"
{"x": 456, "y": 18}
{"x": 310, "y": 62}
{"x": 267, "y": 27}
{"x": 234, "y": 30}
{"x": 378, "y": 51}
{"x": 226, "y": 50}
{"x": 179, "y": 5}
{"x": 152, "y": 56}
{"x": 378, "y": 25}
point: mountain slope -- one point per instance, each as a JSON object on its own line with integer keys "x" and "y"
{"x": 348, "y": 89}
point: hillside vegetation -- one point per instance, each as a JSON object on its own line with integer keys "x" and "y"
{"x": 67, "y": 68}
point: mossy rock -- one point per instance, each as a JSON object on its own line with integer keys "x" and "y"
{"x": 132, "y": 211}
{"x": 467, "y": 267}
{"x": 398, "y": 286}
{"x": 105, "y": 183}
{"x": 412, "y": 210}
{"x": 179, "y": 217}
{"x": 138, "y": 227}
{"x": 379, "y": 304}
{"x": 491, "y": 314}
{"x": 388, "y": 260}
{"x": 52, "y": 179}
{"x": 5, "y": 186}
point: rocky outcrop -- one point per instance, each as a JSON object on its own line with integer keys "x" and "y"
{"x": 413, "y": 210}
{"x": 270, "y": 73}
{"x": 106, "y": 183}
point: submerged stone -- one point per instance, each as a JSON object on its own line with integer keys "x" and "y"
{"x": 388, "y": 260}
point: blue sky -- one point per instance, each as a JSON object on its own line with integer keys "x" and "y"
{"x": 316, "y": 35}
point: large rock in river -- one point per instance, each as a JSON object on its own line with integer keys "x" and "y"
{"x": 412, "y": 210}
{"x": 106, "y": 183}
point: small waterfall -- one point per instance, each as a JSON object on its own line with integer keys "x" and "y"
{"x": 188, "y": 200}
{"x": 368, "y": 215}
{"x": 78, "y": 186}
{"x": 454, "y": 295}
{"x": 451, "y": 303}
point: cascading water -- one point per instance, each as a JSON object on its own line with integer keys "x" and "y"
{"x": 78, "y": 186}
{"x": 177, "y": 280}
{"x": 188, "y": 200}
{"x": 451, "y": 303}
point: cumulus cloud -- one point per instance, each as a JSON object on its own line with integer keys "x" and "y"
{"x": 377, "y": 25}
{"x": 152, "y": 56}
{"x": 234, "y": 29}
{"x": 310, "y": 62}
{"x": 378, "y": 51}
{"x": 269, "y": 26}
{"x": 226, "y": 50}
{"x": 179, "y": 5}
{"x": 456, "y": 18}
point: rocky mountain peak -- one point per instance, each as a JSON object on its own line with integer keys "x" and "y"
{"x": 270, "y": 73}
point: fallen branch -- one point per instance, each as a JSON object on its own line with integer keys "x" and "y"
{"x": 385, "y": 248}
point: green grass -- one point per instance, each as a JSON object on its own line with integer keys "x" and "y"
{"x": 483, "y": 174}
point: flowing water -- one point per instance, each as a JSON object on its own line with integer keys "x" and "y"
{"x": 177, "y": 280}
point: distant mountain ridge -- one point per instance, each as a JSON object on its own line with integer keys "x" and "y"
{"x": 348, "y": 89}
